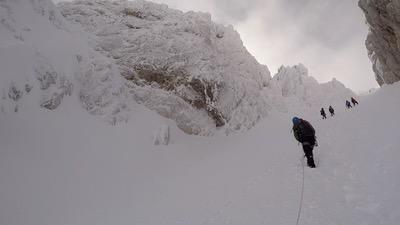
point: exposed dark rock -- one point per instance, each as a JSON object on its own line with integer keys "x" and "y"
{"x": 53, "y": 102}
{"x": 14, "y": 93}
{"x": 46, "y": 78}
{"x": 206, "y": 92}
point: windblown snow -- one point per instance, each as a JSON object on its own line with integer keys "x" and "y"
{"x": 157, "y": 75}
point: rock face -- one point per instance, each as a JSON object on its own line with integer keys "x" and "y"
{"x": 383, "y": 41}
{"x": 181, "y": 65}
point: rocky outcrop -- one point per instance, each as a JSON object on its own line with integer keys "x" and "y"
{"x": 181, "y": 65}
{"x": 383, "y": 41}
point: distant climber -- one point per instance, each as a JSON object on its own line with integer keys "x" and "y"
{"x": 354, "y": 101}
{"x": 331, "y": 110}
{"x": 305, "y": 134}
{"x": 323, "y": 114}
{"x": 348, "y": 104}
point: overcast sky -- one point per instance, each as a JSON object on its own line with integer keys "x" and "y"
{"x": 327, "y": 36}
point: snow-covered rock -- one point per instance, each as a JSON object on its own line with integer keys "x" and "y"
{"x": 181, "y": 65}
{"x": 45, "y": 59}
{"x": 301, "y": 91}
{"x": 383, "y": 41}
{"x": 120, "y": 53}
{"x": 161, "y": 137}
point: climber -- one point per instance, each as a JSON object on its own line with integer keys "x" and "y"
{"x": 354, "y": 101}
{"x": 305, "y": 134}
{"x": 348, "y": 104}
{"x": 331, "y": 110}
{"x": 323, "y": 114}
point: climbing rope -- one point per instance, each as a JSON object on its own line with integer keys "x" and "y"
{"x": 317, "y": 155}
{"x": 302, "y": 194}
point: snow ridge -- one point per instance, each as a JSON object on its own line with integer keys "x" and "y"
{"x": 301, "y": 92}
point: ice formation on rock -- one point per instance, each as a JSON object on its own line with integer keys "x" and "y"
{"x": 182, "y": 65}
{"x": 383, "y": 41}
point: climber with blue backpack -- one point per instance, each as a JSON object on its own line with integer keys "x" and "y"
{"x": 305, "y": 134}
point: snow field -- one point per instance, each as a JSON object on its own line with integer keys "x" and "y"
{"x": 67, "y": 167}
{"x": 78, "y": 171}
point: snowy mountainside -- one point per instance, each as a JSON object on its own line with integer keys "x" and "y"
{"x": 67, "y": 168}
{"x": 60, "y": 165}
{"x": 182, "y": 65}
{"x": 302, "y": 92}
{"x": 119, "y": 53}
{"x": 45, "y": 59}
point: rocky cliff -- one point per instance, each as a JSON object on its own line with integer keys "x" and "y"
{"x": 383, "y": 41}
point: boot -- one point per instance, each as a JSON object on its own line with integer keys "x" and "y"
{"x": 310, "y": 162}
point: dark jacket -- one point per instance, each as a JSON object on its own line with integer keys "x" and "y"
{"x": 322, "y": 112}
{"x": 304, "y": 132}
{"x": 331, "y": 110}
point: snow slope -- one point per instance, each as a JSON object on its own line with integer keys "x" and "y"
{"x": 67, "y": 168}
{"x": 60, "y": 165}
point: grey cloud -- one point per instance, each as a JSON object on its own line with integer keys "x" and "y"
{"x": 328, "y": 36}
{"x": 236, "y": 10}
{"x": 330, "y": 23}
